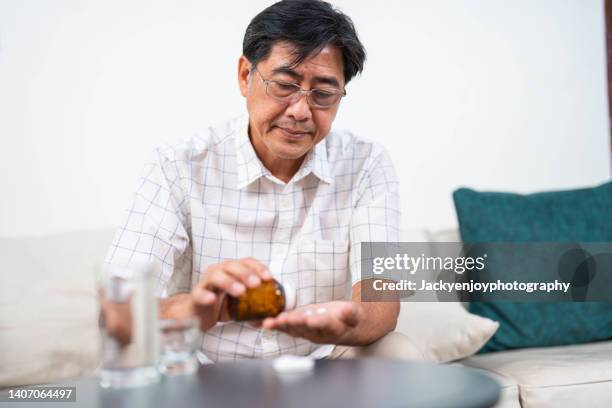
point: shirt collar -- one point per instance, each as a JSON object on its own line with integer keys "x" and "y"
{"x": 316, "y": 163}
{"x": 250, "y": 168}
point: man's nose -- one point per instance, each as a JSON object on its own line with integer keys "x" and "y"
{"x": 299, "y": 108}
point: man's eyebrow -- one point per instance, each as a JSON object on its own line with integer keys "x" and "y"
{"x": 329, "y": 80}
{"x": 287, "y": 71}
{"x": 326, "y": 80}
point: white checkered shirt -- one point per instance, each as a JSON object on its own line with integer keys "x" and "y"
{"x": 210, "y": 199}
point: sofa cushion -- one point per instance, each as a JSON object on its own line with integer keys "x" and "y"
{"x": 444, "y": 331}
{"x": 48, "y": 310}
{"x": 583, "y": 215}
{"x": 565, "y": 376}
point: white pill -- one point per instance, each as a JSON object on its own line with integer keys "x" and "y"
{"x": 321, "y": 310}
{"x": 293, "y": 364}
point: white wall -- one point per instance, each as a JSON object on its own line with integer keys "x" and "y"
{"x": 495, "y": 94}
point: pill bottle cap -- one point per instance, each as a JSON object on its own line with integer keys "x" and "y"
{"x": 290, "y": 296}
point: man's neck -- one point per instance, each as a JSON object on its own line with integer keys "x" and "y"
{"x": 283, "y": 169}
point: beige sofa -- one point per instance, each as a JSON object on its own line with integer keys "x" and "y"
{"x": 48, "y": 328}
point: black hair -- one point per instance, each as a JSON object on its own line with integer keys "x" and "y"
{"x": 308, "y": 25}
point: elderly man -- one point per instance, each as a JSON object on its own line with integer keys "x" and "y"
{"x": 276, "y": 194}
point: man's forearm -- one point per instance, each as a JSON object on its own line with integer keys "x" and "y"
{"x": 377, "y": 319}
{"x": 176, "y": 307}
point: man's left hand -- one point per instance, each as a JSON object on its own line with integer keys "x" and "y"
{"x": 323, "y": 323}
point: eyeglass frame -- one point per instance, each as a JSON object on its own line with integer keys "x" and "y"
{"x": 299, "y": 90}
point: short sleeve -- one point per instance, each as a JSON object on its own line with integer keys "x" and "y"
{"x": 155, "y": 227}
{"x": 376, "y": 217}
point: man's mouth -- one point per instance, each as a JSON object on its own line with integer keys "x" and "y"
{"x": 293, "y": 133}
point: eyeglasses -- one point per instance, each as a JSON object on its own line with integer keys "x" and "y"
{"x": 290, "y": 93}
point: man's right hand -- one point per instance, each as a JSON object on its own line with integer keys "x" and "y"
{"x": 207, "y": 298}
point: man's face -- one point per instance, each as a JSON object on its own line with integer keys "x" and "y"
{"x": 286, "y": 131}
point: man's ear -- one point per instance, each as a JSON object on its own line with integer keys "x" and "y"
{"x": 244, "y": 71}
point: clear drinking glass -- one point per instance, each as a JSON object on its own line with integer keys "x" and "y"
{"x": 128, "y": 325}
{"x": 179, "y": 339}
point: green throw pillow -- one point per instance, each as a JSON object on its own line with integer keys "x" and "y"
{"x": 583, "y": 215}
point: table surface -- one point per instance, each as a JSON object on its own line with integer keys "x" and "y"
{"x": 333, "y": 383}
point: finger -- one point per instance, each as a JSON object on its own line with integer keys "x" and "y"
{"x": 279, "y": 322}
{"x": 307, "y": 324}
{"x": 255, "y": 323}
{"x": 269, "y": 323}
{"x": 204, "y": 297}
{"x": 217, "y": 278}
{"x": 280, "y": 326}
{"x": 319, "y": 321}
{"x": 300, "y": 331}
{"x": 297, "y": 318}
{"x": 292, "y": 323}
{"x": 273, "y": 323}
{"x": 295, "y": 331}
{"x": 260, "y": 269}
{"x": 223, "y": 310}
{"x": 322, "y": 318}
{"x": 325, "y": 325}
{"x": 242, "y": 272}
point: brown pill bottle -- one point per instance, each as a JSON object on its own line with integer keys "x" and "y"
{"x": 267, "y": 300}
